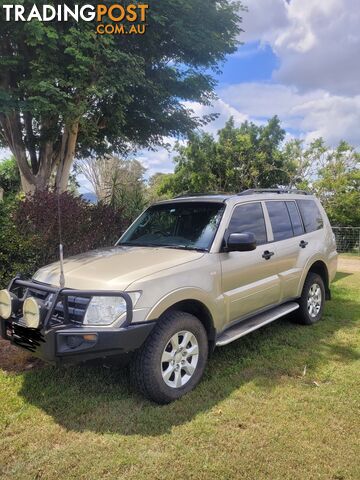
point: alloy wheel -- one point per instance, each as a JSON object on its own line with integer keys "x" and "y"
{"x": 179, "y": 359}
{"x": 314, "y": 300}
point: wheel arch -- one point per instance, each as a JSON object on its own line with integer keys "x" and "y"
{"x": 200, "y": 311}
{"x": 321, "y": 269}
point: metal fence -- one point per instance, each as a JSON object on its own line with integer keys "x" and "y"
{"x": 347, "y": 239}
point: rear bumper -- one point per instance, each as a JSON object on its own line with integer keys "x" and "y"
{"x": 62, "y": 344}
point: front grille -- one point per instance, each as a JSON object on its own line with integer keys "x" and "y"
{"x": 76, "y": 306}
{"x": 28, "y": 338}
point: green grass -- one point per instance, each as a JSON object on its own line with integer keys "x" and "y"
{"x": 255, "y": 416}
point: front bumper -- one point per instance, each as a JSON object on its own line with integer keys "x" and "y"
{"x": 61, "y": 338}
{"x": 62, "y": 344}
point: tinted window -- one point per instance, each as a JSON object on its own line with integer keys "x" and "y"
{"x": 310, "y": 214}
{"x": 295, "y": 218}
{"x": 249, "y": 218}
{"x": 280, "y": 220}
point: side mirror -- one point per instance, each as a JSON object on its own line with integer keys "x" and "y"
{"x": 241, "y": 242}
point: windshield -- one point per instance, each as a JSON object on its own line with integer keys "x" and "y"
{"x": 190, "y": 225}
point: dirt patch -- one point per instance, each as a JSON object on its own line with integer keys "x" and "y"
{"x": 14, "y": 360}
{"x": 349, "y": 264}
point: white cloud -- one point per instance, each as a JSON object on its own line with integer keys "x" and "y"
{"x": 333, "y": 117}
{"x": 311, "y": 114}
{"x": 4, "y": 153}
{"x": 264, "y": 20}
{"x": 159, "y": 160}
{"x": 221, "y": 107}
{"x": 317, "y": 42}
{"x": 263, "y": 100}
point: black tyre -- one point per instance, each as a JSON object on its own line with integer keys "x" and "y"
{"x": 172, "y": 360}
{"x": 312, "y": 300}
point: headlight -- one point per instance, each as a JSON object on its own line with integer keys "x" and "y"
{"x": 106, "y": 310}
{"x": 32, "y": 312}
{"x": 5, "y": 304}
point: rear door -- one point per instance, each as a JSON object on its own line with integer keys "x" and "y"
{"x": 249, "y": 279}
{"x": 287, "y": 229}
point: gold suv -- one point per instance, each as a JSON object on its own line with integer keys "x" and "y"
{"x": 188, "y": 275}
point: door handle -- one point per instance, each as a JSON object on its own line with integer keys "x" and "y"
{"x": 303, "y": 244}
{"x": 267, "y": 255}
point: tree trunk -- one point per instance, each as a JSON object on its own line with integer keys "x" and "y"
{"x": 68, "y": 146}
{"x": 36, "y": 176}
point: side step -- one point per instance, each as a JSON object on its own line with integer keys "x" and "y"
{"x": 253, "y": 323}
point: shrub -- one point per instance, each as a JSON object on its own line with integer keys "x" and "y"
{"x": 16, "y": 252}
{"x": 29, "y": 235}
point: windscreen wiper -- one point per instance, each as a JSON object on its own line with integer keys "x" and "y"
{"x": 185, "y": 247}
{"x": 157, "y": 245}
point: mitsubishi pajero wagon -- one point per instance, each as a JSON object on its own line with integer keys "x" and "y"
{"x": 190, "y": 274}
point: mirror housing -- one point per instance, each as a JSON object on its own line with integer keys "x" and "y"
{"x": 241, "y": 242}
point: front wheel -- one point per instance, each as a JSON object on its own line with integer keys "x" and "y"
{"x": 172, "y": 360}
{"x": 312, "y": 300}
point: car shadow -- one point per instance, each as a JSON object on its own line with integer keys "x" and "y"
{"x": 341, "y": 275}
{"x": 100, "y": 399}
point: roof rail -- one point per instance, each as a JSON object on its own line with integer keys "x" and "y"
{"x": 205, "y": 194}
{"x": 252, "y": 191}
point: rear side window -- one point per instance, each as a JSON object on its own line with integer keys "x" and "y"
{"x": 297, "y": 225}
{"x": 249, "y": 218}
{"x": 311, "y": 215}
{"x": 280, "y": 220}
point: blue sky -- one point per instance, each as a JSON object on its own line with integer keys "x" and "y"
{"x": 253, "y": 61}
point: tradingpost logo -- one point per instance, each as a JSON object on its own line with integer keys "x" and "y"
{"x": 110, "y": 19}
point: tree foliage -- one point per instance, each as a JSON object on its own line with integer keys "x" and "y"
{"x": 338, "y": 185}
{"x": 256, "y": 156}
{"x": 63, "y": 88}
{"x": 245, "y": 157}
{"x": 9, "y": 175}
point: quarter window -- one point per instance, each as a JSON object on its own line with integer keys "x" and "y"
{"x": 249, "y": 218}
{"x": 280, "y": 220}
{"x": 297, "y": 225}
{"x": 311, "y": 215}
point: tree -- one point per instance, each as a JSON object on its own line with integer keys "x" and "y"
{"x": 9, "y": 175}
{"x": 116, "y": 182}
{"x": 245, "y": 157}
{"x": 303, "y": 162}
{"x": 65, "y": 89}
{"x": 155, "y": 187}
{"x": 331, "y": 173}
{"x": 338, "y": 185}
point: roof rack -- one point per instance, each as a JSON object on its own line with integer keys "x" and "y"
{"x": 252, "y": 191}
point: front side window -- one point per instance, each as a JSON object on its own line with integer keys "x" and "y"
{"x": 187, "y": 225}
{"x": 280, "y": 220}
{"x": 311, "y": 215}
{"x": 249, "y": 217}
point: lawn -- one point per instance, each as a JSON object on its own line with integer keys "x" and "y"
{"x": 281, "y": 403}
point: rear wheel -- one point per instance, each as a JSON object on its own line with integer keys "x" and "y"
{"x": 172, "y": 360}
{"x": 312, "y": 300}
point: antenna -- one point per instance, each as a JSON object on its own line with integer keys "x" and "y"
{"x": 61, "y": 250}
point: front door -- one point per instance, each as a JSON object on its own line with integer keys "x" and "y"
{"x": 250, "y": 280}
